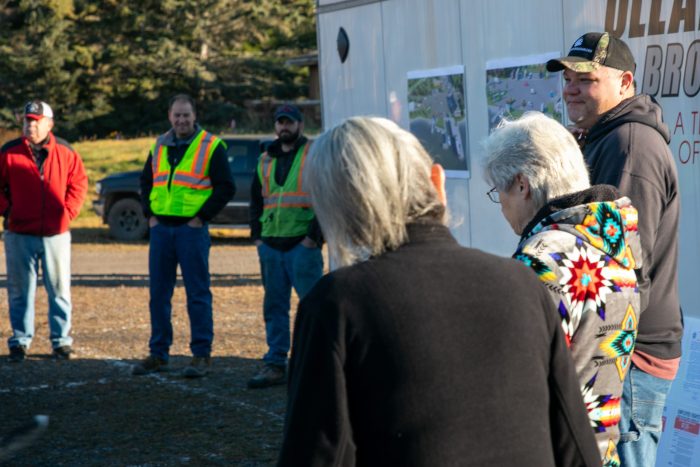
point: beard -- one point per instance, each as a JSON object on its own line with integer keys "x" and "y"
{"x": 288, "y": 137}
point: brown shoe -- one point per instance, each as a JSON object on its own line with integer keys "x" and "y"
{"x": 198, "y": 367}
{"x": 18, "y": 353}
{"x": 62, "y": 353}
{"x": 270, "y": 375}
{"x": 150, "y": 364}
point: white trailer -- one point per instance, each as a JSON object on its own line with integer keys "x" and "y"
{"x": 388, "y": 41}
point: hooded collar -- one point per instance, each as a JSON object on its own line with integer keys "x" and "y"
{"x": 595, "y": 216}
{"x": 641, "y": 108}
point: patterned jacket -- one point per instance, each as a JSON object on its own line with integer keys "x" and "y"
{"x": 585, "y": 248}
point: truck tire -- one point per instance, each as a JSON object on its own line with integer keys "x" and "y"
{"x": 126, "y": 220}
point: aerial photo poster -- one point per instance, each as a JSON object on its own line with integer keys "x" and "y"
{"x": 517, "y": 85}
{"x": 437, "y": 115}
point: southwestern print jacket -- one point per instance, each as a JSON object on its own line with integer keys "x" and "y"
{"x": 585, "y": 248}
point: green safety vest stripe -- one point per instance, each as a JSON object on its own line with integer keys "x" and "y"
{"x": 277, "y": 199}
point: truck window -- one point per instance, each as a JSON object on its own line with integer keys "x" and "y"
{"x": 239, "y": 156}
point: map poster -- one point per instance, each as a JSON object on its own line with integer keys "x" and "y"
{"x": 437, "y": 116}
{"x": 515, "y": 86}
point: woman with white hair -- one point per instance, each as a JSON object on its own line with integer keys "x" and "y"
{"x": 413, "y": 352}
{"x": 582, "y": 242}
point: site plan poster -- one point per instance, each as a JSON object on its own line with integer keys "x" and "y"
{"x": 437, "y": 116}
{"x": 517, "y": 85}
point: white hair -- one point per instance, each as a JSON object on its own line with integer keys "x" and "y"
{"x": 539, "y": 148}
{"x": 368, "y": 178}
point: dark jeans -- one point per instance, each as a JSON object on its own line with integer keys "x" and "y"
{"x": 300, "y": 268}
{"x": 188, "y": 247}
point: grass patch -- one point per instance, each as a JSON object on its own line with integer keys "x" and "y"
{"x": 104, "y": 157}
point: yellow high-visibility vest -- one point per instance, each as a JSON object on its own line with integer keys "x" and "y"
{"x": 287, "y": 208}
{"x": 184, "y": 191}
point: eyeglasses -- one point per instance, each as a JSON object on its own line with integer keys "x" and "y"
{"x": 493, "y": 195}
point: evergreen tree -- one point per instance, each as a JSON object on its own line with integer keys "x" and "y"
{"x": 112, "y": 65}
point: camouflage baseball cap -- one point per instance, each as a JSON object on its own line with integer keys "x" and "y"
{"x": 593, "y": 50}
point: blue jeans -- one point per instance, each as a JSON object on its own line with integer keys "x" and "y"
{"x": 23, "y": 254}
{"x": 188, "y": 247}
{"x": 642, "y": 406}
{"x": 300, "y": 268}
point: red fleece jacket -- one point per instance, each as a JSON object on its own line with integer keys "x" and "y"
{"x": 35, "y": 204}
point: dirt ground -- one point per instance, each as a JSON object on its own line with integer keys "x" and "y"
{"x": 101, "y": 415}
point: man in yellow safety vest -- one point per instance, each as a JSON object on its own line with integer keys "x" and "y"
{"x": 287, "y": 236}
{"x": 185, "y": 182}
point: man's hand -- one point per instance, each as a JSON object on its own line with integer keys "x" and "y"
{"x": 195, "y": 222}
{"x": 308, "y": 243}
{"x": 152, "y": 221}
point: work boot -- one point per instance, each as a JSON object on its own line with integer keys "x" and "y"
{"x": 150, "y": 364}
{"x": 17, "y": 353}
{"x": 198, "y": 367}
{"x": 270, "y": 375}
{"x": 62, "y": 353}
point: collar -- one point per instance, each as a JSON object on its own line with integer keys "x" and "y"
{"x": 594, "y": 194}
{"x": 275, "y": 148}
{"x": 46, "y": 145}
{"x": 169, "y": 138}
{"x": 428, "y": 229}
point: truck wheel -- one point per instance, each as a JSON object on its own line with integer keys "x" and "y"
{"x": 126, "y": 220}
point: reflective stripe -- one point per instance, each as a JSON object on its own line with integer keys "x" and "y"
{"x": 193, "y": 182}
{"x": 286, "y": 198}
{"x": 266, "y": 169}
{"x": 160, "y": 179}
{"x": 300, "y": 185}
{"x": 202, "y": 156}
{"x": 288, "y": 205}
{"x": 156, "y": 152}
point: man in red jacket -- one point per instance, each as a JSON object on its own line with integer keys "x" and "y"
{"x": 42, "y": 187}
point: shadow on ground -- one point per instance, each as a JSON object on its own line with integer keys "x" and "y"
{"x": 102, "y": 415}
{"x": 141, "y": 280}
{"x": 219, "y": 236}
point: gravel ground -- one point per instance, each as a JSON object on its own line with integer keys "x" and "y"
{"x": 100, "y": 415}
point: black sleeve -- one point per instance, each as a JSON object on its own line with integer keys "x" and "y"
{"x": 643, "y": 180}
{"x": 317, "y": 427}
{"x": 256, "y": 207}
{"x": 223, "y": 186}
{"x": 314, "y": 232}
{"x": 146, "y": 182}
{"x": 635, "y": 166}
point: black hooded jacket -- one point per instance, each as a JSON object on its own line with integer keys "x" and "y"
{"x": 628, "y": 148}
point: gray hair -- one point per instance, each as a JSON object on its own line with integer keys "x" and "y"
{"x": 368, "y": 178}
{"x": 539, "y": 148}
